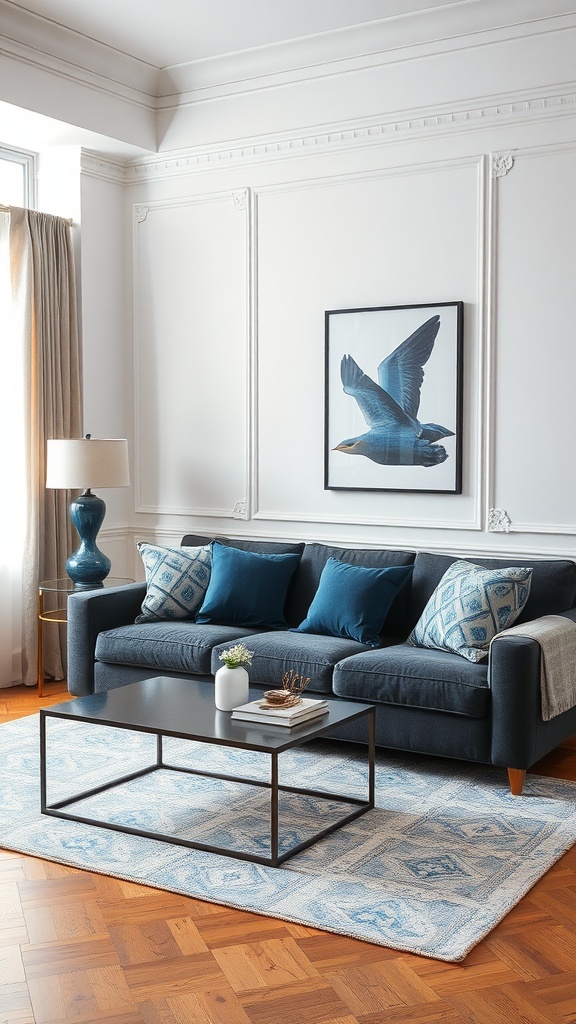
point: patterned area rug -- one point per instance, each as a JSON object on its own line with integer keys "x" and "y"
{"x": 440, "y": 861}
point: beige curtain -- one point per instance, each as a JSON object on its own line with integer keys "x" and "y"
{"x": 44, "y": 325}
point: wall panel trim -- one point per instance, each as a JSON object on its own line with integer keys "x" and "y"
{"x": 240, "y": 200}
{"x": 478, "y": 483}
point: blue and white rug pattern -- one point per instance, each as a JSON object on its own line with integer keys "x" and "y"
{"x": 433, "y": 868}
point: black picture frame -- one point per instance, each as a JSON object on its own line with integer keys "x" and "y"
{"x": 393, "y": 398}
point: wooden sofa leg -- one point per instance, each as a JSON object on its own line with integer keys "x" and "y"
{"x": 516, "y": 777}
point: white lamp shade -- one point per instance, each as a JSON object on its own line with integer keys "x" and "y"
{"x": 87, "y": 463}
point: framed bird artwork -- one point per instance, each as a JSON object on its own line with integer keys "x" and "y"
{"x": 393, "y": 416}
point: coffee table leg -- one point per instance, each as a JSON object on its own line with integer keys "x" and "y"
{"x": 371, "y": 757}
{"x": 274, "y": 810}
{"x": 42, "y": 762}
{"x": 159, "y": 750}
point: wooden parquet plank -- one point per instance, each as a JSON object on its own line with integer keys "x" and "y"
{"x": 227, "y": 927}
{"x": 440, "y": 1012}
{"x": 64, "y": 921}
{"x": 212, "y": 1007}
{"x": 313, "y": 1001}
{"x": 11, "y": 867}
{"x": 537, "y": 952}
{"x": 508, "y": 1005}
{"x": 559, "y": 903}
{"x": 524, "y": 915}
{"x": 143, "y": 944}
{"x": 559, "y": 993}
{"x": 151, "y": 905}
{"x": 377, "y": 987}
{"x": 49, "y": 958}
{"x": 447, "y": 979}
{"x": 327, "y": 951}
{"x": 11, "y": 965}
{"x": 15, "y": 1005}
{"x": 187, "y": 936}
{"x": 174, "y": 977}
{"x": 13, "y": 930}
{"x": 269, "y": 964}
{"x": 65, "y": 889}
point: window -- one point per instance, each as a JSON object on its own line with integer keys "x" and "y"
{"x": 17, "y": 177}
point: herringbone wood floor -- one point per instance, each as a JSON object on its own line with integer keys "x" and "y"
{"x": 80, "y": 947}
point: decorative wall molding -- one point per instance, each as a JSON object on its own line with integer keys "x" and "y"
{"x": 346, "y": 134}
{"x": 501, "y": 164}
{"x": 382, "y": 521}
{"x": 412, "y": 36}
{"x": 567, "y": 529}
{"x": 168, "y": 537}
{"x": 189, "y": 512}
{"x": 240, "y": 199}
{"x": 43, "y": 42}
{"x": 476, "y": 483}
{"x": 240, "y": 510}
{"x": 94, "y": 165}
{"x": 141, "y": 212}
{"x": 499, "y": 521}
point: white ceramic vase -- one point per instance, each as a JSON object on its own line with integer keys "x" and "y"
{"x": 231, "y": 687}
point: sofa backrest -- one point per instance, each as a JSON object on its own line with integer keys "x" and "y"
{"x": 307, "y": 576}
{"x": 269, "y": 547}
{"x": 552, "y": 591}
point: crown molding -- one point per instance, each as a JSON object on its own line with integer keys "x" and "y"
{"x": 29, "y": 37}
{"x": 94, "y": 165}
{"x": 420, "y": 34}
{"x": 37, "y": 40}
{"x": 509, "y": 110}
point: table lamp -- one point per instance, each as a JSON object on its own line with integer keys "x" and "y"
{"x": 85, "y": 463}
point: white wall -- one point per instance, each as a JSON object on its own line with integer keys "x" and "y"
{"x": 238, "y": 253}
{"x": 107, "y": 388}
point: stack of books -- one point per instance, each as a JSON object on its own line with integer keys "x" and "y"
{"x": 307, "y": 709}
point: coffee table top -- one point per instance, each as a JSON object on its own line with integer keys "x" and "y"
{"x": 185, "y": 708}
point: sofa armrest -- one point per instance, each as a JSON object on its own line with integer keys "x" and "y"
{"x": 518, "y": 730}
{"x": 516, "y": 704}
{"x": 89, "y": 613}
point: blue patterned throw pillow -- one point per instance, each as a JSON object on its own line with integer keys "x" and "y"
{"x": 469, "y": 606}
{"x": 176, "y": 581}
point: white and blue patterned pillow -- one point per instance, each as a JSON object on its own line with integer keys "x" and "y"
{"x": 176, "y": 581}
{"x": 469, "y": 606}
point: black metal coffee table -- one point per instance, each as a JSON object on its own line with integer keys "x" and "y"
{"x": 184, "y": 709}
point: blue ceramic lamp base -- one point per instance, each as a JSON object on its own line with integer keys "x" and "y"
{"x": 88, "y": 566}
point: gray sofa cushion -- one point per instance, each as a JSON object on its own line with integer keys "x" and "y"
{"x": 415, "y": 677}
{"x": 177, "y": 646}
{"x": 309, "y": 655}
{"x": 552, "y": 591}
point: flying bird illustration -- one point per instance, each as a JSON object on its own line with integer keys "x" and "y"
{"x": 396, "y": 437}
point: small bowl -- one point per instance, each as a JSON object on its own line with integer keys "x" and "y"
{"x": 281, "y": 698}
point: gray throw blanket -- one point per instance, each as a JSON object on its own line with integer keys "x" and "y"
{"x": 556, "y": 636}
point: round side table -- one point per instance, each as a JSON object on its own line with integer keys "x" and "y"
{"x": 62, "y": 587}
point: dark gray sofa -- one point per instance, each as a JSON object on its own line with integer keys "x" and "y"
{"x": 427, "y": 701}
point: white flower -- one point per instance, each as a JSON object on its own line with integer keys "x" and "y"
{"x": 237, "y": 655}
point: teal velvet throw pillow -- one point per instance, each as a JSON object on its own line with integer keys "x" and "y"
{"x": 246, "y": 588}
{"x": 176, "y": 581}
{"x": 353, "y": 601}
